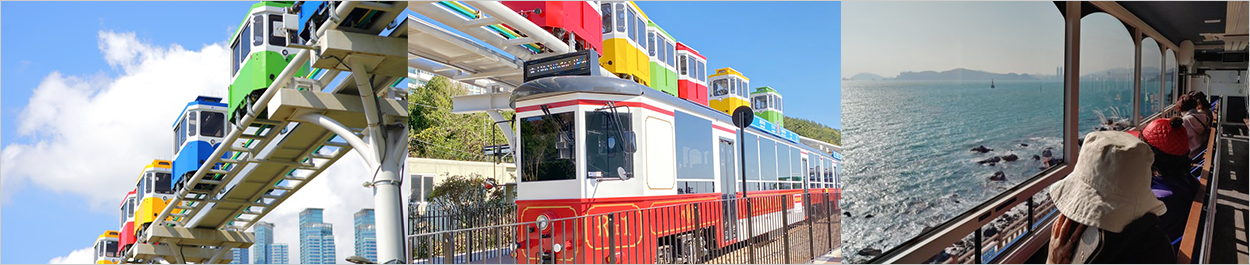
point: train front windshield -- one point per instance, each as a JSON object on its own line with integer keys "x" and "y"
{"x": 548, "y": 147}
{"x": 110, "y": 248}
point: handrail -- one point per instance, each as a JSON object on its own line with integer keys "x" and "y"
{"x": 1194, "y": 221}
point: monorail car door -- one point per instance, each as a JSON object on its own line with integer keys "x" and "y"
{"x": 729, "y": 187}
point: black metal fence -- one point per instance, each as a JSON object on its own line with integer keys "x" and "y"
{"x": 783, "y": 228}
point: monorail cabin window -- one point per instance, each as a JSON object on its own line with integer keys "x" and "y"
{"x": 759, "y": 103}
{"x": 606, "y": 9}
{"x": 640, "y": 27}
{"x": 720, "y": 87}
{"x": 702, "y": 73}
{"x": 240, "y": 48}
{"x": 605, "y": 151}
{"x": 670, "y": 53}
{"x": 629, "y": 26}
{"x": 110, "y": 248}
{"x": 663, "y": 52}
{"x": 695, "y": 167}
{"x": 681, "y": 65}
{"x": 620, "y": 18}
{"x": 541, "y": 159}
{"x": 212, "y": 124}
{"x": 258, "y": 36}
{"x": 162, "y": 181}
{"x": 651, "y": 43}
{"x": 179, "y": 137}
{"x": 275, "y": 28}
{"x": 191, "y": 123}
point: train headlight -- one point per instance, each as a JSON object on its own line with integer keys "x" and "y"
{"x": 543, "y": 221}
{"x": 557, "y": 247}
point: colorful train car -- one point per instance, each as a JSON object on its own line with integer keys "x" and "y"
{"x": 766, "y": 103}
{"x": 153, "y": 191}
{"x": 259, "y": 52}
{"x": 661, "y": 48}
{"x": 127, "y": 237}
{"x": 597, "y": 145}
{"x": 624, "y": 42}
{"x": 729, "y": 90}
{"x": 579, "y": 20}
{"x": 105, "y": 248}
{"x": 198, "y": 131}
{"x": 691, "y": 75}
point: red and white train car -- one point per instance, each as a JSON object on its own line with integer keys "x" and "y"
{"x": 580, "y": 20}
{"x": 691, "y": 75}
{"x": 596, "y": 145}
{"x": 127, "y": 237}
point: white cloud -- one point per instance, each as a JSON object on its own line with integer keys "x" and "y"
{"x": 90, "y": 135}
{"x": 78, "y": 256}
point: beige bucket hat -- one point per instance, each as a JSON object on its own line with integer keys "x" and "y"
{"x": 1110, "y": 184}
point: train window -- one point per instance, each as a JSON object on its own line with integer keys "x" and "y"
{"x": 742, "y": 88}
{"x": 681, "y": 65}
{"x": 768, "y": 159}
{"x": 796, "y": 164}
{"x": 640, "y": 27}
{"x": 540, "y": 159}
{"x": 212, "y": 124}
{"x": 191, "y": 123}
{"x": 163, "y": 185}
{"x": 1106, "y": 74}
{"x": 720, "y": 87}
{"x": 751, "y": 158}
{"x": 694, "y": 187}
{"x": 672, "y": 53}
{"x": 275, "y": 28}
{"x": 694, "y": 146}
{"x": 1151, "y": 75}
{"x": 694, "y": 66}
{"x": 702, "y": 71}
{"x": 662, "y": 54}
{"x": 620, "y": 18}
{"x": 178, "y": 134}
{"x": 604, "y": 146}
{"x": 130, "y": 207}
{"x": 651, "y": 43}
{"x": 258, "y": 36}
{"x": 606, "y": 8}
{"x": 759, "y": 102}
{"x": 778, "y": 103}
{"x": 234, "y": 57}
{"x": 632, "y": 24}
{"x": 110, "y": 248}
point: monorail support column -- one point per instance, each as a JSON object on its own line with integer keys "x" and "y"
{"x": 388, "y": 144}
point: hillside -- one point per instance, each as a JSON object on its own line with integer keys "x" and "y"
{"x": 961, "y": 74}
{"x": 436, "y": 133}
{"x": 811, "y": 129}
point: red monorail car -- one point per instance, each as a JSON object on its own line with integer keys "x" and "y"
{"x": 561, "y": 17}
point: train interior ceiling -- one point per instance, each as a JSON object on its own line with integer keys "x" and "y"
{"x": 1210, "y": 44}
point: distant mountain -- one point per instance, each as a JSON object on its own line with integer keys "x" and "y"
{"x": 866, "y": 76}
{"x": 962, "y": 74}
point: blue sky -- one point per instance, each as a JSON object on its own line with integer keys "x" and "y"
{"x": 39, "y": 224}
{"x": 793, "y": 47}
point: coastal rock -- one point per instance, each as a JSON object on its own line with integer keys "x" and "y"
{"x": 1011, "y": 157}
{"x": 990, "y": 161}
{"x": 1024, "y": 145}
{"x": 847, "y": 214}
{"x": 981, "y": 149}
{"x": 868, "y": 216}
{"x": 998, "y": 176}
{"x": 872, "y": 252}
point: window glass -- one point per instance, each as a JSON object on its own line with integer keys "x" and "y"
{"x": 783, "y": 163}
{"x": 1106, "y": 74}
{"x": 671, "y": 58}
{"x": 130, "y": 207}
{"x": 191, "y": 123}
{"x": 275, "y": 27}
{"x": 720, "y": 87}
{"x": 212, "y": 124}
{"x": 651, "y": 44}
{"x": 245, "y": 50}
{"x": 178, "y": 135}
{"x": 681, "y": 65}
{"x": 604, "y": 144}
{"x": 694, "y": 67}
{"x": 702, "y": 71}
{"x": 760, "y": 103}
{"x": 751, "y": 146}
{"x": 1151, "y": 77}
{"x": 768, "y": 159}
{"x": 640, "y": 27}
{"x": 661, "y": 53}
{"x": 540, "y": 159}
{"x": 796, "y": 164}
{"x": 694, "y": 147}
{"x": 258, "y": 36}
{"x": 633, "y": 26}
{"x": 110, "y": 248}
{"x": 163, "y": 184}
{"x": 606, "y": 9}
{"x": 693, "y": 187}
{"x": 621, "y": 21}
{"x": 235, "y": 57}
{"x": 778, "y": 105}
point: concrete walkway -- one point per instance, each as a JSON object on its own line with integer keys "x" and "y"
{"x": 833, "y": 257}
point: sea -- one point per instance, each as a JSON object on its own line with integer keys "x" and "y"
{"x": 908, "y": 164}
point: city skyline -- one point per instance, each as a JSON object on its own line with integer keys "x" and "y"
{"x": 316, "y": 238}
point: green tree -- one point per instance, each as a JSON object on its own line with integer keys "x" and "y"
{"x": 437, "y": 133}
{"x": 811, "y": 129}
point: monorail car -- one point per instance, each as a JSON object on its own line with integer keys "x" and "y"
{"x": 766, "y": 103}
{"x": 663, "y": 56}
{"x": 153, "y": 191}
{"x": 729, "y": 90}
{"x": 198, "y": 131}
{"x": 259, "y": 52}
{"x": 691, "y": 75}
{"x": 624, "y": 41}
{"x": 579, "y": 20}
{"x": 127, "y": 237}
{"x": 582, "y": 146}
{"x": 105, "y": 248}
